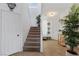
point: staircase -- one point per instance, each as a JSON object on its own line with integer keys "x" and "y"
{"x": 32, "y": 42}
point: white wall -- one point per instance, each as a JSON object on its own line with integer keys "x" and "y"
{"x": 26, "y": 21}
{"x": 0, "y": 31}
{"x": 45, "y": 21}
{"x": 13, "y": 23}
{"x": 61, "y": 10}
{"x": 44, "y": 26}
{"x": 34, "y": 10}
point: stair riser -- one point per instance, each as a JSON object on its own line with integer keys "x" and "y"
{"x": 31, "y": 49}
{"x": 31, "y": 44}
{"x": 35, "y": 30}
{"x": 34, "y": 33}
{"x": 33, "y": 37}
{"x": 35, "y": 27}
{"x": 35, "y": 40}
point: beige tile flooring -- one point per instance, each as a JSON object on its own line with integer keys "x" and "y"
{"x": 51, "y": 48}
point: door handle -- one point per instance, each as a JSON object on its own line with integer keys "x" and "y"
{"x": 18, "y": 35}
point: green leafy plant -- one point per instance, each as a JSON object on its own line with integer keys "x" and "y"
{"x": 71, "y": 27}
{"x": 38, "y": 20}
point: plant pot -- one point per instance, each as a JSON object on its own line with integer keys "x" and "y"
{"x": 38, "y": 25}
{"x": 70, "y": 53}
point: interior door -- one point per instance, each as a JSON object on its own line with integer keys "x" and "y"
{"x": 12, "y": 40}
{"x": 0, "y": 31}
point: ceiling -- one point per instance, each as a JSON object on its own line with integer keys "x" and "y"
{"x": 59, "y": 8}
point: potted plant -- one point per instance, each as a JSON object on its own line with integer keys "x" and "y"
{"x": 38, "y": 20}
{"x": 71, "y": 27}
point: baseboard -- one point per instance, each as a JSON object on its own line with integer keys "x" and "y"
{"x": 15, "y": 52}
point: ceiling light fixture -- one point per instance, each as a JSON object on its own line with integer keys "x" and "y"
{"x": 51, "y": 14}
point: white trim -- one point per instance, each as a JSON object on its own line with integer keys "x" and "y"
{"x": 41, "y": 38}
